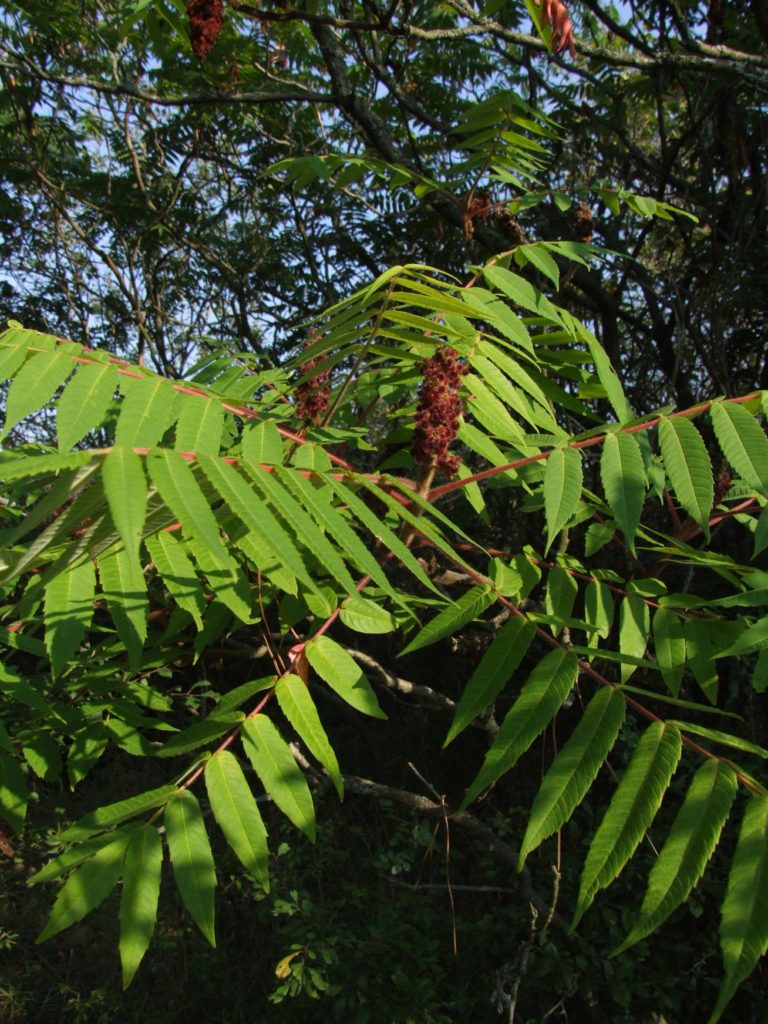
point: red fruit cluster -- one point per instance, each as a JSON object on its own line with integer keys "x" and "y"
{"x": 313, "y": 395}
{"x": 555, "y": 14}
{"x": 585, "y": 223}
{"x": 205, "y": 21}
{"x": 439, "y": 409}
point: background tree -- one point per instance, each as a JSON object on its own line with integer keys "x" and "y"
{"x": 143, "y": 171}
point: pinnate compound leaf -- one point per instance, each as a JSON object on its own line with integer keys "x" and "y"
{"x": 13, "y": 792}
{"x": 297, "y": 705}
{"x": 631, "y": 810}
{"x": 33, "y": 386}
{"x": 743, "y": 442}
{"x": 492, "y": 674}
{"x": 380, "y": 530}
{"x": 87, "y": 888}
{"x": 178, "y": 574}
{"x": 192, "y": 860}
{"x": 541, "y": 696}
{"x": 669, "y": 644}
{"x": 237, "y": 813}
{"x": 621, "y": 470}
{"x": 691, "y": 842}
{"x": 138, "y": 903}
{"x": 574, "y": 768}
{"x": 452, "y": 617}
{"x": 562, "y": 489}
{"x": 147, "y": 411}
{"x": 282, "y": 778}
{"x": 200, "y": 425}
{"x": 124, "y": 586}
{"x": 330, "y": 519}
{"x": 688, "y": 467}
{"x": 113, "y": 814}
{"x": 126, "y": 489}
{"x": 182, "y": 494}
{"x": 342, "y": 673}
{"x": 303, "y": 525}
{"x": 634, "y": 628}
{"x": 255, "y": 515}
{"x": 68, "y": 612}
{"x": 744, "y": 914}
{"x": 84, "y": 402}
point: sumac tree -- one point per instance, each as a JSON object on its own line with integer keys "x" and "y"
{"x": 446, "y": 459}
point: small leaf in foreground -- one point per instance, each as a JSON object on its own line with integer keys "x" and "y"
{"x": 342, "y": 673}
{"x": 192, "y": 860}
{"x": 86, "y": 888}
{"x": 562, "y": 489}
{"x": 282, "y": 778}
{"x": 491, "y": 675}
{"x": 138, "y": 903}
{"x": 543, "y": 693}
{"x": 297, "y": 705}
{"x": 574, "y": 768}
{"x": 237, "y": 813}
{"x": 744, "y": 921}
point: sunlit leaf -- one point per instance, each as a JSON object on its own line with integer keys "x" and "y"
{"x": 562, "y": 489}
{"x": 237, "y": 813}
{"x": 489, "y": 678}
{"x": 743, "y": 442}
{"x": 297, "y": 705}
{"x": 574, "y": 768}
{"x": 538, "y": 701}
{"x": 621, "y": 470}
{"x": 68, "y": 612}
{"x": 192, "y": 859}
{"x": 691, "y": 842}
{"x": 744, "y": 920}
{"x": 87, "y": 888}
{"x": 342, "y": 673}
{"x": 631, "y": 810}
{"x": 138, "y": 903}
{"x": 276, "y": 766}
{"x": 688, "y": 467}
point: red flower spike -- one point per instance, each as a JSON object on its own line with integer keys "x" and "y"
{"x": 313, "y": 395}
{"x": 439, "y": 410}
{"x": 205, "y": 20}
{"x": 555, "y": 14}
